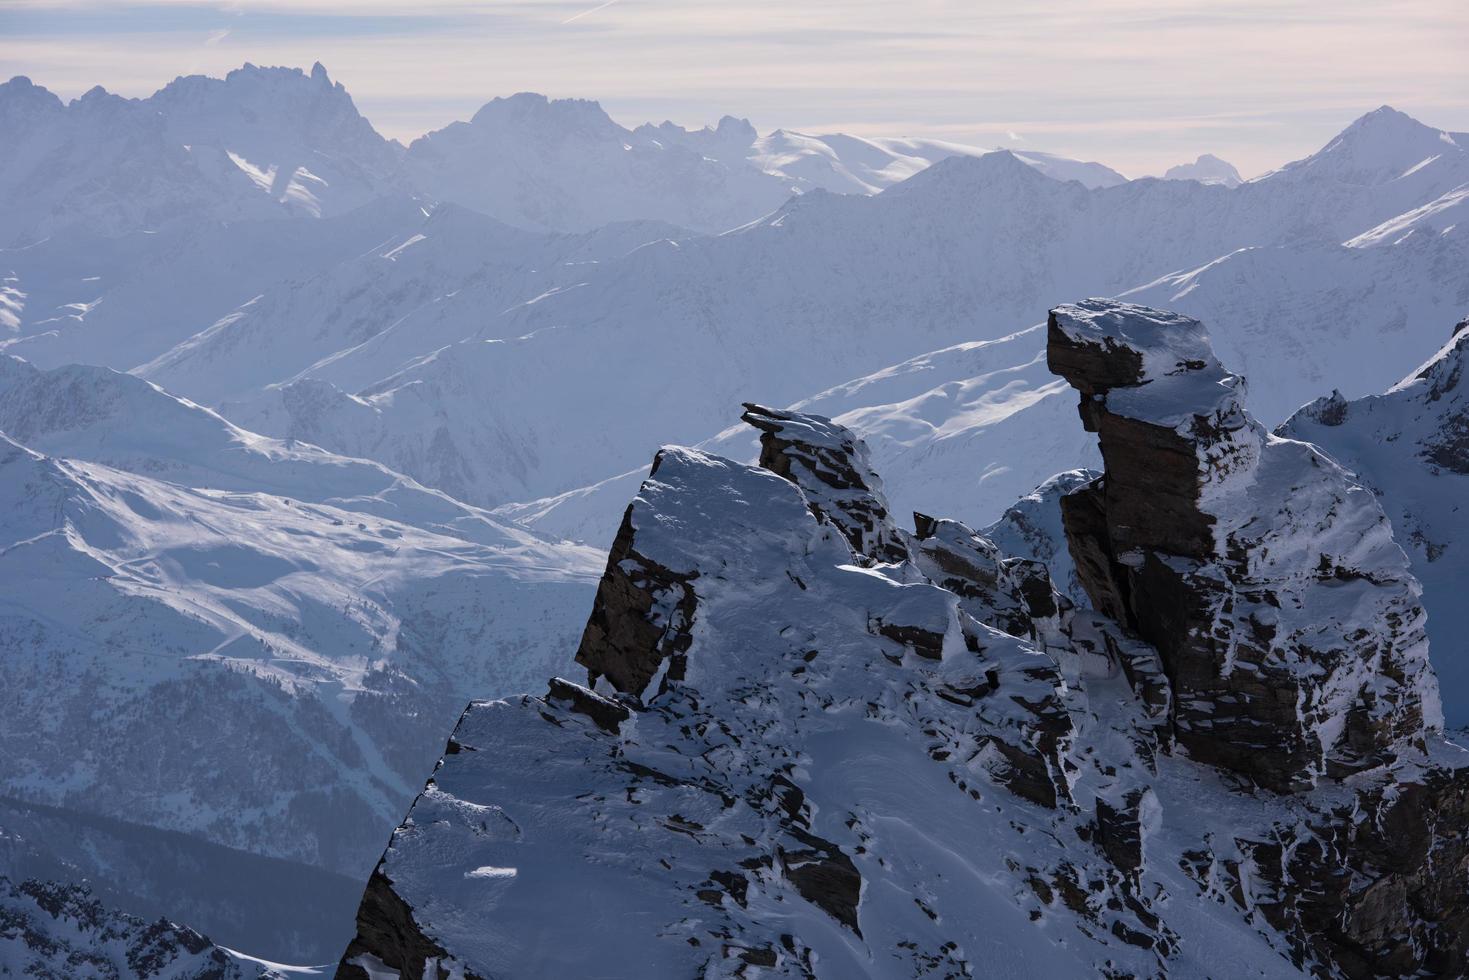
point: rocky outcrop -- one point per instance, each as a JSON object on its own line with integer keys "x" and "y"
{"x": 641, "y": 617}
{"x": 831, "y": 466}
{"x": 389, "y": 941}
{"x": 1291, "y": 633}
{"x": 54, "y": 930}
{"x": 733, "y": 641}
{"x": 1011, "y": 594}
{"x": 801, "y": 755}
{"x": 1286, "y": 616}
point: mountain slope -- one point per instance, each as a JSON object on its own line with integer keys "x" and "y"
{"x": 1411, "y": 445}
{"x": 808, "y": 297}
{"x": 264, "y": 649}
{"x": 445, "y": 274}
{"x": 122, "y": 301}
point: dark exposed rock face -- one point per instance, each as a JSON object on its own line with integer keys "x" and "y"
{"x": 1291, "y": 634}
{"x": 831, "y": 466}
{"x": 607, "y": 713}
{"x": 1449, "y": 448}
{"x": 1285, "y": 614}
{"x": 1373, "y": 885}
{"x": 641, "y": 617}
{"x": 388, "y": 939}
{"x": 825, "y": 877}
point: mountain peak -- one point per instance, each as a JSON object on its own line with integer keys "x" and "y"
{"x": 961, "y": 171}
{"x": 20, "y": 90}
{"x": 1207, "y": 169}
{"x": 1378, "y": 147}
{"x": 533, "y": 108}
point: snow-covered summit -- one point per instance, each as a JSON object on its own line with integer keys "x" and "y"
{"x": 298, "y": 135}
{"x": 1382, "y": 146}
{"x": 261, "y": 142}
{"x": 1207, "y": 169}
{"x": 565, "y": 165}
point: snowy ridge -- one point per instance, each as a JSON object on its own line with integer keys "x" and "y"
{"x": 53, "y": 930}
{"x": 1409, "y": 445}
{"x": 564, "y": 165}
{"x": 260, "y": 142}
{"x": 784, "y": 747}
{"x": 818, "y": 285}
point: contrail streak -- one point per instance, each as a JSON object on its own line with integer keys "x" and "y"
{"x": 593, "y": 10}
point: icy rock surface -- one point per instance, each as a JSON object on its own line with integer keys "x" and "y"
{"x": 1288, "y": 618}
{"x": 1410, "y": 444}
{"x": 788, "y": 762}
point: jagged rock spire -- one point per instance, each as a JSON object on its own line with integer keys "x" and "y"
{"x": 831, "y": 465}
{"x": 1286, "y": 615}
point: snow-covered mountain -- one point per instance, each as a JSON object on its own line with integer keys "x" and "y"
{"x": 443, "y": 273}
{"x": 799, "y": 718}
{"x": 252, "y": 642}
{"x": 1207, "y": 169}
{"x": 120, "y": 302}
{"x": 564, "y": 165}
{"x": 1411, "y": 445}
{"x": 1296, "y": 317}
{"x": 857, "y": 165}
{"x": 261, "y": 142}
{"x": 1382, "y": 147}
{"x": 256, "y": 631}
{"x": 49, "y": 929}
{"x": 297, "y": 136}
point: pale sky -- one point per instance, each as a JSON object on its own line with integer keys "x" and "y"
{"x": 1136, "y": 84}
